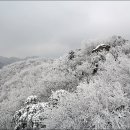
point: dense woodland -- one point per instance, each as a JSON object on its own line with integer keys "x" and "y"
{"x": 87, "y": 88}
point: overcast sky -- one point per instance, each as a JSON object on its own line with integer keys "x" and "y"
{"x": 49, "y": 29}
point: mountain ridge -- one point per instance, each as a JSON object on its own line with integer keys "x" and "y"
{"x": 79, "y": 74}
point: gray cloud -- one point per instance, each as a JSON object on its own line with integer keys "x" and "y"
{"x": 52, "y": 28}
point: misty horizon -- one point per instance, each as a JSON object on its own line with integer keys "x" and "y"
{"x": 51, "y": 28}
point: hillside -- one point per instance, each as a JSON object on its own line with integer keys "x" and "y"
{"x": 88, "y": 88}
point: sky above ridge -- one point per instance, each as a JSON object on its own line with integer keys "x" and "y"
{"x": 52, "y": 28}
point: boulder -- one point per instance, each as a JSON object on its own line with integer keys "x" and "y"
{"x": 101, "y": 47}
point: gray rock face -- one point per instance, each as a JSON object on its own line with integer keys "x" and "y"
{"x": 101, "y": 47}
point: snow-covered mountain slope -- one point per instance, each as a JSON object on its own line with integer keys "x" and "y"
{"x": 102, "y": 77}
{"x": 32, "y": 76}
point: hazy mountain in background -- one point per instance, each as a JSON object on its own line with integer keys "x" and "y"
{"x": 5, "y": 60}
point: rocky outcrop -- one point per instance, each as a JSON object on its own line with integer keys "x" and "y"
{"x": 101, "y": 48}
